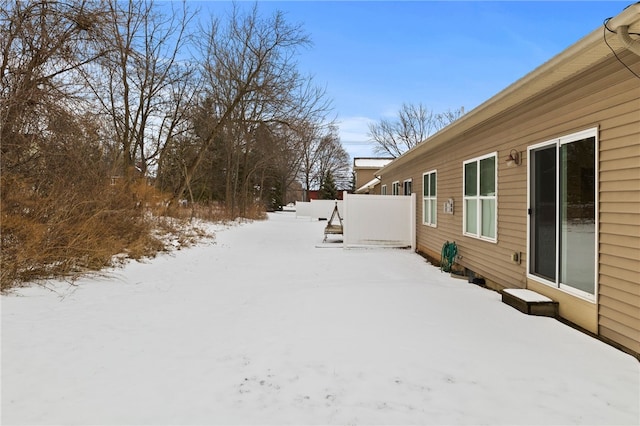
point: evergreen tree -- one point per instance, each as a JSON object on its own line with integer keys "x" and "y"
{"x": 328, "y": 190}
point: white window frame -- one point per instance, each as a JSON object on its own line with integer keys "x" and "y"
{"x": 383, "y": 189}
{"x": 428, "y": 199}
{"x": 395, "y": 188}
{"x": 558, "y": 142}
{"x": 479, "y": 198}
{"x": 404, "y": 186}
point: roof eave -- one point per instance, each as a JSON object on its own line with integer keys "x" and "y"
{"x": 575, "y": 59}
{"x": 368, "y": 186}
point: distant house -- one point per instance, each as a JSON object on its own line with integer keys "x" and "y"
{"x": 364, "y": 169}
{"x": 540, "y": 185}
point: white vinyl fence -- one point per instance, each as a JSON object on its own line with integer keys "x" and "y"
{"x": 318, "y": 209}
{"x": 303, "y": 209}
{"x": 379, "y": 220}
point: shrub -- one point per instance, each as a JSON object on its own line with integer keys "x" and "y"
{"x": 65, "y": 231}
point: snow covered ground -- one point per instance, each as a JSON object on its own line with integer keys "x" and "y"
{"x": 262, "y": 327}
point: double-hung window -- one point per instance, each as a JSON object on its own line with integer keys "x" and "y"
{"x": 429, "y": 201}
{"x": 383, "y": 190}
{"x": 395, "y": 188}
{"x": 406, "y": 187}
{"x": 480, "y": 197}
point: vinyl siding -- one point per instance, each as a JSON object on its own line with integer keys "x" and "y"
{"x": 619, "y": 178}
{"x": 364, "y": 176}
{"x": 607, "y": 97}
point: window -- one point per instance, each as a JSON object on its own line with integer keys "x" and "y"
{"x": 395, "y": 188}
{"x": 406, "y": 187}
{"x": 429, "y": 201}
{"x": 562, "y": 213}
{"x": 383, "y": 190}
{"x": 480, "y": 196}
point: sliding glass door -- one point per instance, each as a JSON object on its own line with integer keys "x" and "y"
{"x": 562, "y": 209}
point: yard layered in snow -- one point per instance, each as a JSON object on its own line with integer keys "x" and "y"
{"x": 262, "y": 327}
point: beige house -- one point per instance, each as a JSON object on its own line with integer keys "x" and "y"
{"x": 540, "y": 185}
{"x": 364, "y": 169}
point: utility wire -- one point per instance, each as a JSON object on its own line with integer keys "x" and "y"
{"x": 604, "y": 36}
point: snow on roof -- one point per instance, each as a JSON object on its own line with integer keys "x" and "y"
{"x": 374, "y": 163}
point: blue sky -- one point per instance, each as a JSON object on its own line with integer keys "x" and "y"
{"x": 374, "y": 55}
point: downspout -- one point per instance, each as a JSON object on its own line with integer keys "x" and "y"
{"x": 631, "y": 44}
{"x": 620, "y": 25}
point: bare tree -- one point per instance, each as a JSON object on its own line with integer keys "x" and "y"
{"x": 43, "y": 45}
{"x": 177, "y": 125}
{"x": 332, "y": 159}
{"x": 286, "y": 163}
{"x": 59, "y": 213}
{"x": 249, "y": 77}
{"x": 141, "y": 83}
{"x": 322, "y": 154}
{"x": 414, "y": 124}
{"x": 309, "y": 139}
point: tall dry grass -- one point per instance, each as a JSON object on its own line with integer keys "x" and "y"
{"x": 67, "y": 231}
{"x": 73, "y": 229}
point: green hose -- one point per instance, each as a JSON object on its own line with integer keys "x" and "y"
{"x": 449, "y": 252}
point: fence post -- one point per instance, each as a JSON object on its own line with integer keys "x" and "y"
{"x": 413, "y": 220}
{"x": 345, "y": 221}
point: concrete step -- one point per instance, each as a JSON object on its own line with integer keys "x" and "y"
{"x": 530, "y": 302}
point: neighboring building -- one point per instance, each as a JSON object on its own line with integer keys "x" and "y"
{"x": 314, "y": 194}
{"x": 540, "y": 185}
{"x": 364, "y": 169}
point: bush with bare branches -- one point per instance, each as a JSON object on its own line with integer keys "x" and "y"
{"x": 100, "y": 113}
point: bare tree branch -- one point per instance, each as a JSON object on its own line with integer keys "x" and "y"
{"x": 250, "y": 76}
{"x": 414, "y": 124}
